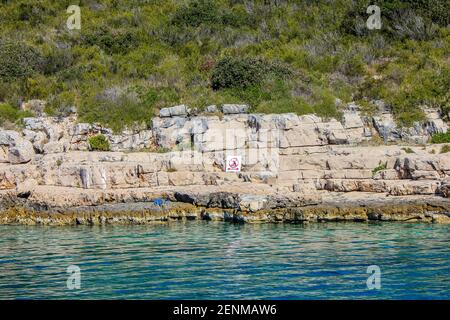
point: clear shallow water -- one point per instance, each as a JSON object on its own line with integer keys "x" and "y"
{"x": 208, "y": 260}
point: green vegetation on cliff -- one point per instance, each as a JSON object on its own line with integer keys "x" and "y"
{"x": 441, "y": 137}
{"x": 132, "y": 57}
{"x": 99, "y": 143}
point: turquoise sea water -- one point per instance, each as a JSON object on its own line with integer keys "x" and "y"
{"x": 211, "y": 260}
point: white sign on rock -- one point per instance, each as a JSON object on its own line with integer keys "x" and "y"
{"x": 233, "y": 164}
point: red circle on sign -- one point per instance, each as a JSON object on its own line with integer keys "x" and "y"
{"x": 233, "y": 163}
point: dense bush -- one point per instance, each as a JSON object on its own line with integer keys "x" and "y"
{"x": 98, "y": 143}
{"x": 237, "y": 72}
{"x": 18, "y": 60}
{"x": 276, "y": 55}
{"x": 57, "y": 59}
{"x": 33, "y": 11}
{"x": 445, "y": 148}
{"x": 401, "y": 19}
{"x": 113, "y": 41}
{"x": 441, "y": 137}
{"x": 11, "y": 114}
{"x": 206, "y": 12}
{"x": 197, "y": 12}
{"x": 62, "y": 105}
{"x": 118, "y": 108}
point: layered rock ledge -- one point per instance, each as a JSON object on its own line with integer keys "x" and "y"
{"x": 294, "y": 169}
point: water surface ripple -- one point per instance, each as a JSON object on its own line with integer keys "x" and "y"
{"x": 211, "y": 260}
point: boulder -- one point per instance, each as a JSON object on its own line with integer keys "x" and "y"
{"x": 176, "y": 111}
{"x": 352, "y": 120}
{"x": 25, "y": 188}
{"x": 34, "y": 124}
{"x": 235, "y": 108}
{"x": 8, "y": 137}
{"x": 334, "y": 132}
{"x": 164, "y": 113}
{"x": 39, "y": 141}
{"x": 434, "y": 123}
{"x": 252, "y": 203}
{"x": 82, "y": 129}
{"x": 212, "y": 109}
{"x": 386, "y": 127}
{"x": 445, "y": 188}
{"x": 285, "y": 121}
{"x": 21, "y": 152}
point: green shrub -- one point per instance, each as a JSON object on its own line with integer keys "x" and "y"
{"x": 118, "y": 108}
{"x": 197, "y": 12}
{"x": 446, "y": 111}
{"x": 243, "y": 72}
{"x": 176, "y": 49}
{"x": 57, "y": 59}
{"x": 400, "y": 18}
{"x": 11, "y": 114}
{"x": 231, "y": 72}
{"x": 445, "y": 148}
{"x": 437, "y": 11}
{"x": 209, "y": 13}
{"x": 61, "y": 105}
{"x": 34, "y": 12}
{"x": 380, "y": 167}
{"x": 441, "y": 137}
{"x": 113, "y": 41}
{"x": 98, "y": 143}
{"x": 18, "y": 60}
{"x": 408, "y": 150}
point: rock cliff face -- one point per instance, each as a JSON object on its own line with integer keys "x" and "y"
{"x": 296, "y": 164}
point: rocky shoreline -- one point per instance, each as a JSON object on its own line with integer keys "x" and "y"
{"x": 295, "y": 169}
{"x": 189, "y": 204}
{"x": 413, "y": 210}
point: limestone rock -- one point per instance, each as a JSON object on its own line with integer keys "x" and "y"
{"x": 176, "y": 111}
{"x": 55, "y": 147}
{"x": 445, "y": 189}
{"x": 252, "y": 203}
{"x": 435, "y": 123}
{"x": 34, "y": 123}
{"x": 235, "y": 108}
{"x": 386, "y": 127}
{"x": 82, "y": 129}
{"x": 352, "y": 120}
{"x": 212, "y": 109}
{"x": 21, "y": 151}
{"x": 8, "y": 137}
{"x": 25, "y": 188}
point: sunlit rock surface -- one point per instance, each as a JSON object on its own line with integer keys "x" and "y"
{"x": 294, "y": 168}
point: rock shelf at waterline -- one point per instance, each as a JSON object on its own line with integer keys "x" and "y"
{"x": 294, "y": 169}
